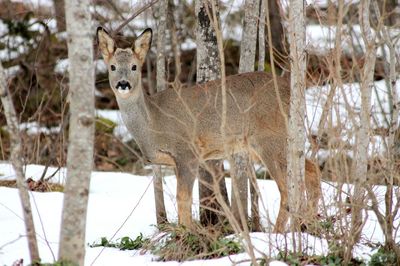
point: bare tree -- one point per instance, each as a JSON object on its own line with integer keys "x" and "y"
{"x": 208, "y": 68}
{"x": 16, "y": 161}
{"x": 296, "y": 130}
{"x": 161, "y": 213}
{"x": 81, "y": 131}
{"x": 360, "y": 165}
{"x": 242, "y": 167}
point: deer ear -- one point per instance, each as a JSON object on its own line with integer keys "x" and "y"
{"x": 142, "y": 44}
{"x": 106, "y": 43}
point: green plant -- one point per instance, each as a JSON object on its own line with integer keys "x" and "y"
{"x": 327, "y": 260}
{"x": 383, "y": 257}
{"x": 125, "y": 243}
{"x": 177, "y": 242}
{"x": 104, "y": 125}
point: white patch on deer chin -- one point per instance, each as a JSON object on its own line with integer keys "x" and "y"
{"x": 123, "y": 91}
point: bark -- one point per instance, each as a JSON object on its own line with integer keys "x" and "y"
{"x": 59, "y": 10}
{"x": 261, "y": 37}
{"x": 242, "y": 168}
{"x": 360, "y": 165}
{"x": 81, "y": 131}
{"x": 174, "y": 38}
{"x": 16, "y": 161}
{"x": 244, "y": 232}
{"x": 386, "y": 220}
{"x": 208, "y": 68}
{"x": 278, "y": 37}
{"x": 161, "y": 213}
{"x": 296, "y": 130}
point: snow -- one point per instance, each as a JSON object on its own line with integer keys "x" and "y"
{"x": 112, "y": 200}
{"x": 61, "y": 66}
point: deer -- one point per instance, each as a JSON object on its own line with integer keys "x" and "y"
{"x": 181, "y": 127}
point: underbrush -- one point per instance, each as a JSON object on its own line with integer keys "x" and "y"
{"x": 178, "y": 243}
{"x": 305, "y": 259}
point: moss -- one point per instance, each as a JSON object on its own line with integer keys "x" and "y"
{"x": 104, "y": 125}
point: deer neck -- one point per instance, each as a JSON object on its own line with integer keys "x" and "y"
{"x": 135, "y": 114}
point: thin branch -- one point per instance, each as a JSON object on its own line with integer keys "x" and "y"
{"x": 135, "y": 14}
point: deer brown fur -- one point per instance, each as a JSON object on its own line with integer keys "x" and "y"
{"x": 181, "y": 127}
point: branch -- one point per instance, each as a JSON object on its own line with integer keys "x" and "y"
{"x": 16, "y": 161}
{"x": 135, "y": 14}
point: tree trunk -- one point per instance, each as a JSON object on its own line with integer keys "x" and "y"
{"x": 208, "y": 68}
{"x": 16, "y": 160}
{"x": 59, "y": 10}
{"x": 296, "y": 130}
{"x": 242, "y": 168}
{"x": 161, "y": 213}
{"x": 360, "y": 164}
{"x": 278, "y": 38}
{"x": 81, "y": 131}
{"x": 261, "y": 37}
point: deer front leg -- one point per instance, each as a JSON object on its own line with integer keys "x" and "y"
{"x": 186, "y": 172}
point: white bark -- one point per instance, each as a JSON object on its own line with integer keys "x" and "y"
{"x": 16, "y": 161}
{"x": 161, "y": 30}
{"x": 241, "y": 169}
{"x": 360, "y": 164}
{"x": 296, "y": 130}
{"x": 81, "y": 132}
{"x": 161, "y": 213}
{"x": 249, "y": 36}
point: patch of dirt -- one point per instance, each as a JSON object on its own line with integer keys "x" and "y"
{"x": 37, "y": 186}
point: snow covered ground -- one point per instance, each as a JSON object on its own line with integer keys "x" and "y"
{"x": 113, "y": 196}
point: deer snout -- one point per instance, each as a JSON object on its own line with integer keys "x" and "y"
{"x": 123, "y": 85}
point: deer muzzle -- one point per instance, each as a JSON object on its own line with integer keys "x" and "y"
{"x": 123, "y": 86}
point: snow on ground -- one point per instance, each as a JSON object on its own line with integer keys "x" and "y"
{"x": 112, "y": 198}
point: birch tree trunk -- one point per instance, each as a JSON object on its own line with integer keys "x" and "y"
{"x": 81, "y": 131}
{"x": 241, "y": 165}
{"x": 208, "y": 68}
{"x": 360, "y": 164}
{"x": 296, "y": 130}
{"x": 161, "y": 213}
{"x": 16, "y": 161}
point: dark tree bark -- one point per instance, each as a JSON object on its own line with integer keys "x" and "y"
{"x": 208, "y": 68}
{"x": 59, "y": 10}
{"x": 278, "y": 41}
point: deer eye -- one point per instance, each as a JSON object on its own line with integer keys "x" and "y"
{"x": 113, "y": 68}
{"x": 133, "y": 68}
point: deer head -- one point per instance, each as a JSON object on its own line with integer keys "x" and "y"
{"x": 124, "y": 65}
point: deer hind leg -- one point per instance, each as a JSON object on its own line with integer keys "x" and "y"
{"x": 186, "y": 172}
{"x": 278, "y": 172}
{"x": 313, "y": 187}
{"x": 275, "y": 161}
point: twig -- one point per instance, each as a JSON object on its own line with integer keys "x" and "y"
{"x": 135, "y": 14}
{"x": 16, "y": 161}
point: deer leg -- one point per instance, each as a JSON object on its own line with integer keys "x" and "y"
{"x": 313, "y": 187}
{"x": 278, "y": 174}
{"x": 185, "y": 175}
{"x": 272, "y": 153}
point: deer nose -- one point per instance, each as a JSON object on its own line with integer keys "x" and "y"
{"x": 123, "y": 85}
